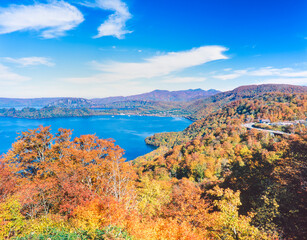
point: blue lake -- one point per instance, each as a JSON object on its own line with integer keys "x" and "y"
{"x": 129, "y": 132}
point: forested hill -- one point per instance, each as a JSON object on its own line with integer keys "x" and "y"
{"x": 26, "y": 102}
{"x": 274, "y": 102}
{"x": 161, "y": 96}
{"x": 269, "y": 170}
{"x": 72, "y": 103}
{"x": 157, "y": 103}
{"x": 47, "y": 112}
{"x": 154, "y": 96}
{"x": 215, "y": 180}
{"x": 203, "y": 107}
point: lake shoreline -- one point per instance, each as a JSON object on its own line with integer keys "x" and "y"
{"x": 102, "y": 114}
{"x": 129, "y": 132}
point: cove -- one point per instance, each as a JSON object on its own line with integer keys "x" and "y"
{"x": 129, "y": 132}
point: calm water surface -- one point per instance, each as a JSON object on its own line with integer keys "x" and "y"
{"x": 128, "y": 132}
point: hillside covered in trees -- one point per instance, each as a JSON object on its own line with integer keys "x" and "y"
{"x": 214, "y": 180}
{"x": 154, "y": 96}
{"x": 155, "y": 103}
{"x": 47, "y": 112}
{"x": 203, "y": 107}
{"x": 271, "y": 101}
{"x": 192, "y": 104}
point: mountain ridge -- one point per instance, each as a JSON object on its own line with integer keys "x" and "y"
{"x": 155, "y": 103}
{"x": 162, "y": 95}
{"x": 203, "y": 107}
{"x": 156, "y": 95}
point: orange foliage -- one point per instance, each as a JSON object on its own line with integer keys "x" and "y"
{"x": 56, "y": 174}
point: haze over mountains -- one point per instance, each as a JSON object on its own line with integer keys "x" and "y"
{"x": 196, "y": 101}
{"x": 193, "y": 104}
{"x": 157, "y": 95}
{"x": 217, "y": 168}
{"x": 162, "y": 95}
{"x": 25, "y": 102}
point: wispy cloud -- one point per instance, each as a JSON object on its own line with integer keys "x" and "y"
{"x": 230, "y": 76}
{"x": 281, "y": 72}
{"x": 7, "y": 76}
{"x": 116, "y": 23}
{"x": 184, "y": 79}
{"x": 300, "y": 80}
{"x": 269, "y": 74}
{"x": 30, "y": 61}
{"x": 156, "y": 66}
{"x": 53, "y": 19}
{"x": 270, "y": 71}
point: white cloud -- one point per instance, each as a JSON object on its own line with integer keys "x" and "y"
{"x": 164, "y": 64}
{"x": 7, "y": 76}
{"x": 183, "y": 79}
{"x": 235, "y": 74}
{"x": 53, "y": 19}
{"x": 269, "y": 71}
{"x": 156, "y": 66}
{"x": 276, "y": 74}
{"x": 294, "y": 74}
{"x": 228, "y": 76}
{"x": 30, "y": 61}
{"x": 301, "y": 81}
{"x": 116, "y": 23}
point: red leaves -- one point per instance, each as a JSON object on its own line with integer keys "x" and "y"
{"x": 7, "y": 182}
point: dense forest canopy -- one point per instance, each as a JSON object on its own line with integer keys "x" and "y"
{"x": 215, "y": 180}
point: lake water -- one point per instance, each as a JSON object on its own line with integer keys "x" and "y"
{"x": 129, "y": 132}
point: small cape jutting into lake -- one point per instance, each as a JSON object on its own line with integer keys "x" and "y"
{"x": 153, "y": 120}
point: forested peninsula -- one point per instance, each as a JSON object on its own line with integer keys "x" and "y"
{"x": 217, "y": 179}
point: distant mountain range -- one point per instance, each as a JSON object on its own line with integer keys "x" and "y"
{"x": 72, "y": 103}
{"x": 193, "y": 104}
{"x": 154, "y": 96}
{"x": 161, "y": 96}
{"x": 25, "y": 102}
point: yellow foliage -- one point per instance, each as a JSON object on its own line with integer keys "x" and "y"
{"x": 98, "y": 214}
{"x": 152, "y": 195}
{"x": 45, "y": 224}
{"x": 163, "y": 229}
{"x": 245, "y": 152}
{"x": 228, "y": 223}
{"x": 11, "y": 220}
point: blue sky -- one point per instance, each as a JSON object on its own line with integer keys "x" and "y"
{"x": 100, "y": 48}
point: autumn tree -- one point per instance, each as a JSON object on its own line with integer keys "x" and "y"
{"x": 57, "y": 174}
